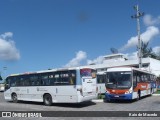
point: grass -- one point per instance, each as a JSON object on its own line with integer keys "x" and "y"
{"x": 100, "y": 96}
{"x": 157, "y": 92}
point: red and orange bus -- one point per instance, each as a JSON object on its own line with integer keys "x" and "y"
{"x": 128, "y": 83}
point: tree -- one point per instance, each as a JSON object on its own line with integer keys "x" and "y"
{"x": 147, "y": 51}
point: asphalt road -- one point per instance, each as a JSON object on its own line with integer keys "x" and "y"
{"x": 150, "y": 103}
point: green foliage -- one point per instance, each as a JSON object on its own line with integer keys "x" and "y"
{"x": 147, "y": 51}
{"x": 100, "y": 96}
{"x": 157, "y": 92}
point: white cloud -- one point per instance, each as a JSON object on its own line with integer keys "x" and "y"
{"x": 8, "y": 50}
{"x": 149, "y": 20}
{"x": 148, "y": 35}
{"x": 156, "y": 50}
{"x": 6, "y": 35}
{"x": 80, "y": 56}
{"x": 132, "y": 56}
{"x": 98, "y": 60}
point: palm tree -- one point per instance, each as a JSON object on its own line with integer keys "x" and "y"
{"x": 147, "y": 51}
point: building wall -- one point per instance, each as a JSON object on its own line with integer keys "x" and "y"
{"x": 155, "y": 66}
{"x": 151, "y": 65}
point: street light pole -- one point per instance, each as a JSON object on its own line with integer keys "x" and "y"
{"x": 137, "y": 16}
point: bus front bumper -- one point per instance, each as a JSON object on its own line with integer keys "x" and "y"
{"x": 118, "y": 97}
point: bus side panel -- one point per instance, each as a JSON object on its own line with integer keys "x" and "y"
{"x": 134, "y": 95}
{"x": 35, "y": 93}
{"x": 21, "y": 92}
{"x": 154, "y": 86}
{"x": 59, "y": 93}
{"x": 144, "y": 88}
{"x": 65, "y": 94}
{"x": 7, "y": 95}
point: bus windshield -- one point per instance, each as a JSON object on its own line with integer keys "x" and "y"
{"x": 118, "y": 80}
{"x": 86, "y": 72}
{"x": 101, "y": 78}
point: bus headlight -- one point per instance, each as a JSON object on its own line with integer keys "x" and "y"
{"x": 107, "y": 91}
{"x": 129, "y": 91}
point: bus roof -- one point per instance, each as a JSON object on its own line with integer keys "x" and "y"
{"x": 50, "y": 70}
{"x": 116, "y": 69}
{"x": 101, "y": 72}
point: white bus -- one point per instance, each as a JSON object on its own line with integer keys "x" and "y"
{"x": 73, "y": 85}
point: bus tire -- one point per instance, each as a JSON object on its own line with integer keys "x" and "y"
{"x": 14, "y": 97}
{"x": 109, "y": 101}
{"x": 47, "y": 99}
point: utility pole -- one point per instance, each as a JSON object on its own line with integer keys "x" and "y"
{"x": 137, "y": 16}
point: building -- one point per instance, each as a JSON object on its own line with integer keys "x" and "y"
{"x": 118, "y": 60}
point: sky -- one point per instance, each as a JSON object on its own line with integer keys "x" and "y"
{"x": 41, "y": 34}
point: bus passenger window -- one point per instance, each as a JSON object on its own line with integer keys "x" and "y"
{"x": 44, "y": 79}
{"x": 65, "y": 78}
{"x": 72, "y": 77}
{"x": 13, "y": 81}
{"x": 51, "y": 78}
{"x": 34, "y": 80}
{"x": 56, "y": 78}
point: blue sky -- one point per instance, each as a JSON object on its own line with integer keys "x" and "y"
{"x": 41, "y": 34}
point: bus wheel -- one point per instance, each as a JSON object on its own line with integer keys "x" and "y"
{"x": 109, "y": 101}
{"x": 47, "y": 99}
{"x": 14, "y": 98}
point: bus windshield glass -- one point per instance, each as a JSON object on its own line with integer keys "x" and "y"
{"x": 86, "y": 72}
{"x": 118, "y": 80}
{"x": 101, "y": 78}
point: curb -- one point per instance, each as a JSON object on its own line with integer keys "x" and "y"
{"x": 97, "y": 100}
{"x": 101, "y": 100}
{"x": 155, "y": 94}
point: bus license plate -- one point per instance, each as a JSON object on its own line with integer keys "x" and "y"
{"x": 116, "y": 96}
